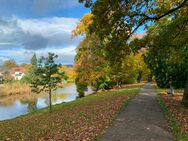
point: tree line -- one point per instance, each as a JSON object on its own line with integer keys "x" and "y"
{"x": 113, "y": 26}
{"x": 99, "y": 66}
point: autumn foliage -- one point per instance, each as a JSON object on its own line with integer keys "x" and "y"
{"x": 80, "y": 120}
{"x": 177, "y": 111}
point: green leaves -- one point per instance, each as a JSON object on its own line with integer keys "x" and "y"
{"x": 31, "y": 75}
{"x": 114, "y": 22}
{"x": 48, "y": 77}
{"x": 47, "y": 74}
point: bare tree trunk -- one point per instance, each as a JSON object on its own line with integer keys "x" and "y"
{"x": 185, "y": 95}
{"x": 50, "y": 99}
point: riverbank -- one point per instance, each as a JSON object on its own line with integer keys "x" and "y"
{"x": 82, "y": 119}
{"x": 175, "y": 112}
{"x": 15, "y": 88}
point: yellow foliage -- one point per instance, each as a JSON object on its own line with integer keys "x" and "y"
{"x": 82, "y": 27}
{"x": 70, "y": 72}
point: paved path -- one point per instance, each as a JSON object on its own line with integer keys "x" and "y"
{"x": 142, "y": 120}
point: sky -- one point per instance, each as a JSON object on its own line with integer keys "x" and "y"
{"x": 39, "y": 26}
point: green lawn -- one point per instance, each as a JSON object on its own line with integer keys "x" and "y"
{"x": 82, "y": 119}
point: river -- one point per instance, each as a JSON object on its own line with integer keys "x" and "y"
{"x": 14, "y": 106}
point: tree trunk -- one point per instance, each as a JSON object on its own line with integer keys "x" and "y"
{"x": 118, "y": 84}
{"x": 150, "y": 77}
{"x": 185, "y": 95}
{"x": 139, "y": 76}
{"x": 50, "y": 99}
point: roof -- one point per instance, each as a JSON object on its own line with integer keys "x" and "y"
{"x": 17, "y": 69}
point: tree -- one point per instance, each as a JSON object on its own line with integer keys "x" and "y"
{"x": 6, "y": 69}
{"x": 102, "y": 64}
{"x": 31, "y": 75}
{"x": 30, "y": 70}
{"x": 25, "y": 67}
{"x": 168, "y": 52}
{"x": 7, "y": 77}
{"x": 34, "y": 61}
{"x": 9, "y": 64}
{"x": 82, "y": 27}
{"x": 48, "y": 76}
{"x": 70, "y": 72}
{"x": 110, "y": 16}
{"x": 122, "y": 18}
{"x": 90, "y": 63}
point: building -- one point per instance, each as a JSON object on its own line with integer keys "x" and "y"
{"x": 17, "y": 73}
{"x": 1, "y": 77}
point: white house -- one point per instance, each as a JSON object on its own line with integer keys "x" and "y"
{"x": 18, "y": 75}
{"x": 1, "y": 77}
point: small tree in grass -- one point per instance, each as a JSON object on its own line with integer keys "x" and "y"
{"x": 48, "y": 77}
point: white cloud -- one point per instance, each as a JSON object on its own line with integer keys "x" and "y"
{"x": 21, "y": 37}
{"x": 65, "y": 55}
{"x": 39, "y": 33}
{"x": 47, "y": 26}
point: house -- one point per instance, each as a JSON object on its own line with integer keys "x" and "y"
{"x": 17, "y": 73}
{"x": 1, "y": 77}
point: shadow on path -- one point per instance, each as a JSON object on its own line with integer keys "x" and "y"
{"x": 142, "y": 120}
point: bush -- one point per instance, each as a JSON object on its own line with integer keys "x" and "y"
{"x": 80, "y": 89}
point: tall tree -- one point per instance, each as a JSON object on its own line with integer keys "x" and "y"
{"x": 102, "y": 63}
{"x": 49, "y": 77}
{"x": 122, "y": 18}
{"x": 33, "y": 69}
{"x": 90, "y": 64}
{"x": 168, "y": 52}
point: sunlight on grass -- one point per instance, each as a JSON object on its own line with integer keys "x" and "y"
{"x": 80, "y": 119}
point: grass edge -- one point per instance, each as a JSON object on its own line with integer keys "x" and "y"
{"x": 176, "y": 130}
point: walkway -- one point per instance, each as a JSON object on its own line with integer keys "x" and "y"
{"x": 142, "y": 120}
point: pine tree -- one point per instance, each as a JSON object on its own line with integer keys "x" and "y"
{"x": 32, "y": 71}
{"x": 48, "y": 77}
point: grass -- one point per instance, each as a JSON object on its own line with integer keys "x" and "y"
{"x": 174, "y": 126}
{"x": 175, "y": 113}
{"x": 82, "y": 119}
{"x": 15, "y": 88}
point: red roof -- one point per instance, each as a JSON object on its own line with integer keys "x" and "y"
{"x": 17, "y": 69}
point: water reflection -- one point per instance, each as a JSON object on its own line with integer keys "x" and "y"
{"x": 13, "y": 106}
{"x": 32, "y": 105}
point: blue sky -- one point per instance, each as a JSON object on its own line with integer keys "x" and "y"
{"x": 39, "y": 26}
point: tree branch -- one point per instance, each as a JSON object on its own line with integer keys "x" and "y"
{"x": 157, "y": 17}
{"x": 168, "y": 12}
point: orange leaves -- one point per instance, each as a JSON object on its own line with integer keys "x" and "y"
{"x": 82, "y": 120}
